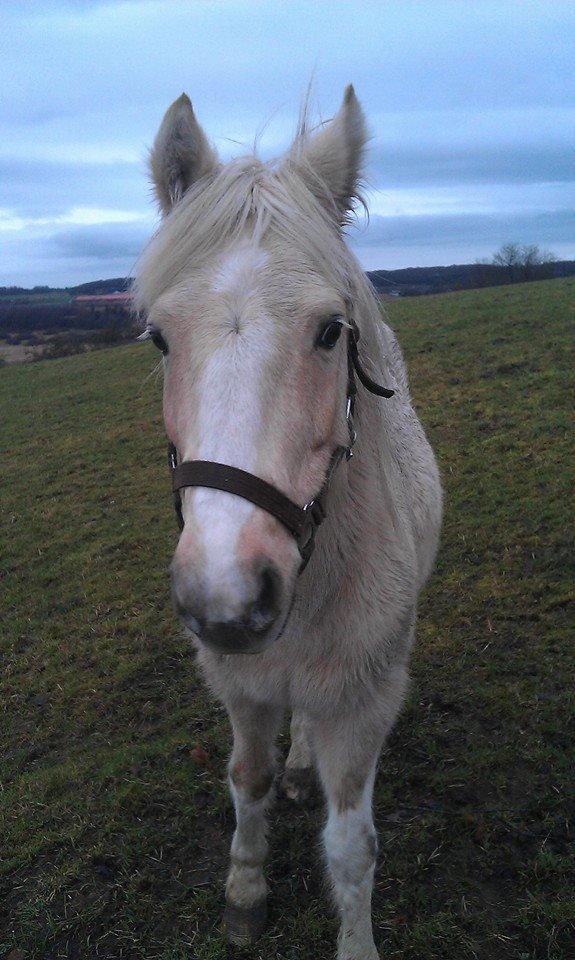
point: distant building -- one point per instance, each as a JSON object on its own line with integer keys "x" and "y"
{"x": 118, "y": 303}
{"x": 120, "y": 297}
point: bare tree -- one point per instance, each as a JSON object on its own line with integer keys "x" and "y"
{"x": 523, "y": 262}
{"x": 534, "y": 261}
{"x": 508, "y": 257}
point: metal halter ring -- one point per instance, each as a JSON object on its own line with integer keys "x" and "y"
{"x": 350, "y": 427}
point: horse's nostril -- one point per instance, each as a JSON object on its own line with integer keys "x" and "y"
{"x": 265, "y": 608}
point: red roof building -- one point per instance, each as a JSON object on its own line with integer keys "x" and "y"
{"x": 103, "y": 298}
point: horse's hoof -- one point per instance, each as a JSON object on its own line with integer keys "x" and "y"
{"x": 243, "y": 925}
{"x": 299, "y": 784}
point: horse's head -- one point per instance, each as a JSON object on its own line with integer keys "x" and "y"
{"x": 246, "y": 291}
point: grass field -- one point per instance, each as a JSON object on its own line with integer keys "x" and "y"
{"x": 114, "y": 815}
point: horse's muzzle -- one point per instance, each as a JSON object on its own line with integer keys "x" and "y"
{"x": 228, "y": 624}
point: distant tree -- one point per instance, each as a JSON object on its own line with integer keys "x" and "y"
{"x": 536, "y": 262}
{"x": 508, "y": 258}
{"x": 519, "y": 263}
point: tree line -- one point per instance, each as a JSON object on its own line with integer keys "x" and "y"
{"x": 518, "y": 263}
{"x": 19, "y": 319}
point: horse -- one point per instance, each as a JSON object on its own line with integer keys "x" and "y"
{"x": 272, "y": 339}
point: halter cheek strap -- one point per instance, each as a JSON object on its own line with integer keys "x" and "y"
{"x": 301, "y": 522}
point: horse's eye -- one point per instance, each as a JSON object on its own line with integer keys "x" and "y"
{"x": 329, "y": 334}
{"x": 158, "y": 341}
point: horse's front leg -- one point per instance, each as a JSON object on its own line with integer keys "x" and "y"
{"x": 347, "y": 748}
{"x": 298, "y": 780}
{"x": 347, "y": 771}
{"x": 251, "y": 780}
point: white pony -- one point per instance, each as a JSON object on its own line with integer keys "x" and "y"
{"x": 251, "y": 293}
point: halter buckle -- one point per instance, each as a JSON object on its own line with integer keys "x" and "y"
{"x": 172, "y": 456}
{"x": 351, "y": 429}
{"x": 306, "y": 542}
{"x": 316, "y": 511}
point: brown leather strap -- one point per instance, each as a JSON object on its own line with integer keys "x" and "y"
{"x": 302, "y": 522}
{"x": 220, "y": 476}
{"x": 354, "y": 362}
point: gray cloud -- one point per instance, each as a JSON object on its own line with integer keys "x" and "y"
{"x": 110, "y": 241}
{"x": 547, "y": 228}
{"x": 50, "y": 187}
{"x": 497, "y": 164}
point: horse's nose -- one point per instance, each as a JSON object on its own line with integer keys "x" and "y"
{"x": 265, "y": 607}
{"x": 235, "y": 615}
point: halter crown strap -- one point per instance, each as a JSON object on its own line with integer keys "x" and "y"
{"x": 302, "y": 522}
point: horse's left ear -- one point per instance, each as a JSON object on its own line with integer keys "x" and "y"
{"x": 181, "y": 154}
{"x": 331, "y": 161}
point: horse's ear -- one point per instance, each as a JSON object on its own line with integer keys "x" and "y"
{"x": 331, "y": 161}
{"x": 181, "y": 154}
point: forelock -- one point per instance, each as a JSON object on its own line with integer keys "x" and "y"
{"x": 249, "y": 201}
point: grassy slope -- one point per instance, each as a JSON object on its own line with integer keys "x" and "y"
{"x": 114, "y": 827}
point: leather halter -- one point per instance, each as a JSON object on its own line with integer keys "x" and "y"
{"x": 302, "y": 522}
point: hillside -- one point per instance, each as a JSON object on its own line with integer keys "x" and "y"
{"x": 407, "y": 281}
{"x": 115, "y": 821}
{"x": 27, "y": 316}
{"x": 417, "y": 281}
{"x": 65, "y": 293}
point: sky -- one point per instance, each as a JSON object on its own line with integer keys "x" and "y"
{"x": 471, "y": 107}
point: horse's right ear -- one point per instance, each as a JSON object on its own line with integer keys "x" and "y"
{"x": 181, "y": 154}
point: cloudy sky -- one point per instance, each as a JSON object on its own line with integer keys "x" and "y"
{"x": 471, "y": 106}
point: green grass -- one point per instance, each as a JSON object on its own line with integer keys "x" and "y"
{"x": 114, "y": 828}
{"x": 51, "y": 297}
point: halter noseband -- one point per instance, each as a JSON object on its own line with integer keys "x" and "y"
{"x": 302, "y": 522}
